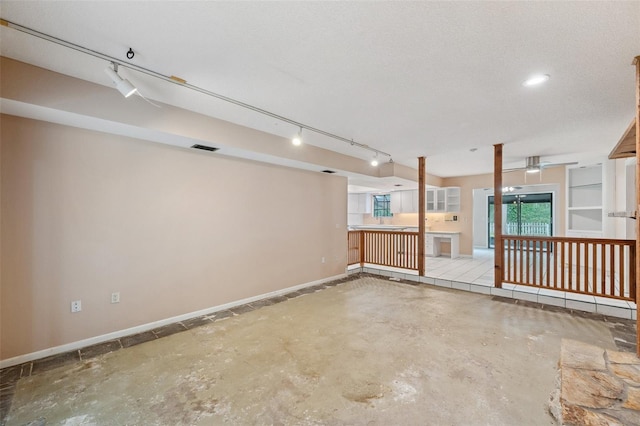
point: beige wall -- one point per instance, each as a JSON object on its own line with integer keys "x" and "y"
{"x": 469, "y": 183}
{"x": 464, "y": 225}
{"x": 174, "y": 230}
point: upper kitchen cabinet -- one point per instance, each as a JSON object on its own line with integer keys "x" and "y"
{"x": 359, "y": 203}
{"x": 404, "y": 201}
{"x": 443, "y": 200}
{"x": 453, "y": 199}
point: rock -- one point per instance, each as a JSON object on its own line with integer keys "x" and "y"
{"x": 616, "y": 357}
{"x": 633, "y": 400}
{"x": 555, "y": 408}
{"x": 576, "y": 354}
{"x": 629, "y": 373}
{"x": 578, "y": 416}
{"x": 626, "y": 417}
{"x": 591, "y": 389}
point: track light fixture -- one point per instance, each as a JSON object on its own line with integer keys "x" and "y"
{"x": 123, "y": 85}
{"x": 127, "y": 89}
{"x": 297, "y": 139}
{"x": 374, "y": 162}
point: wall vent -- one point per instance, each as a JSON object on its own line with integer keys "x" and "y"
{"x": 205, "y": 148}
{"x": 328, "y": 171}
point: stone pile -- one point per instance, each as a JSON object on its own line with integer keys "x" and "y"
{"x": 596, "y": 386}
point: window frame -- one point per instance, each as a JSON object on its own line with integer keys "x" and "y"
{"x": 385, "y": 209}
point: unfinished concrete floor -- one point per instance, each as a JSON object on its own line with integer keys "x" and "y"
{"x": 366, "y": 352}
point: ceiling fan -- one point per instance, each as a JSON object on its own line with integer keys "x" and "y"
{"x": 534, "y": 165}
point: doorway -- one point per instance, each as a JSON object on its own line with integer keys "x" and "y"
{"x": 523, "y": 215}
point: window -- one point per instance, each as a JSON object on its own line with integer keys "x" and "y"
{"x": 382, "y": 205}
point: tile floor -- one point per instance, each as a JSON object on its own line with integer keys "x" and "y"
{"x": 475, "y": 274}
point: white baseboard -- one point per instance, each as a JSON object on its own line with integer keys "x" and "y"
{"x": 9, "y": 362}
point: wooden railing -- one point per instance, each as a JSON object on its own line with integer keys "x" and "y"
{"x": 354, "y": 247}
{"x": 386, "y": 248}
{"x": 597, "y": 267}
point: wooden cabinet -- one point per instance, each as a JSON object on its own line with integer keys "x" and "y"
{"x": 359, "y": 203}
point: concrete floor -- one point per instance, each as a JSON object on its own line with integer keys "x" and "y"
{"x": 366, "y": 352}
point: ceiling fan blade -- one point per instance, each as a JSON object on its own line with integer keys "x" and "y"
{"x": 517, "y": 169}
{"x": 549, "y": 165}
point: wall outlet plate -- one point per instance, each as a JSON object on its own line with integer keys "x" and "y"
{"x": 76, "y": 306}
{"x": 115, "y": 297}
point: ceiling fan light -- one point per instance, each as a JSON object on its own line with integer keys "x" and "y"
{"x": 536, "y": 170}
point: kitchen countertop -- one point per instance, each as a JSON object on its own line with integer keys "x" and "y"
{"x": 380, "y": 227}
{"x": 443, "y": 232}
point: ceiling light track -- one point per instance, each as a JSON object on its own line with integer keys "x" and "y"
{"x": 181, "y": 82}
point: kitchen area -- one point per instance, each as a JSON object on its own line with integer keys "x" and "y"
{"x": 398, "y": 211}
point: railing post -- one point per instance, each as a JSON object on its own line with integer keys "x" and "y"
{"x": 632, "y": 273}
{"x": 497, "y": 216}
{"x": 361, "y": 248}
{"x": 421, "y": 213}
{"x": 636, "y": 62}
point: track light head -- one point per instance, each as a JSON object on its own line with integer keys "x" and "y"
{"x": 374, "y": 161}
{"x": 297, "y": 139}
{"x": 123, "y": 85}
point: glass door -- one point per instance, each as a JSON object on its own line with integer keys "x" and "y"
{"x": 523, "y": 214}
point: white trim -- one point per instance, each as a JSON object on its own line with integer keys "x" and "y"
{"x": 9, "y": 362}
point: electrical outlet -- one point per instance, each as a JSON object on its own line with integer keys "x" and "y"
{"x": 323, "y": 260}
{"x": 76, "y": 306}
{"x": 115, "y": 297}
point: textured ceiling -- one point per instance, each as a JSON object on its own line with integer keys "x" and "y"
{"x": 412, "y": 79}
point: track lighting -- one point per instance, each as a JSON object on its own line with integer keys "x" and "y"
{"x": 127, "y": 89}
{"x": 374, "y": 162}
{"x": 297, "y": 139}
{"x": 123, "y": 85}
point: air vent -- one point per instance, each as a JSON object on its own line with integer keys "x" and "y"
{"x": 398, "y": 184}
{"x": 205, "y": 148}
{"x": 328, "y": 171}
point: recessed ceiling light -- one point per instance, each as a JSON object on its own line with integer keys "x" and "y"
{"x": 534, "y": 80}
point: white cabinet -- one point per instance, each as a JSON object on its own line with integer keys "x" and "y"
{"x": 396, "y": 202}
{"x": 359, "y": 203}
{"x": 585, "y": 201}
{"x": 433, "y": 240}
{"x": 404, "y": 202}
{"x": 436, "y": 200}
{"x": 453, "y": 199}
{"x": 441, "y": 200}
{"x": 430, "y": 204}
{"x": 429, "y": 246}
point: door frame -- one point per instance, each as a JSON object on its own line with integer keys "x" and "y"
{"x": 490, "y": 244}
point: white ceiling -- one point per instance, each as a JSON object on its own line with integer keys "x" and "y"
{"x": 413, "y": 79}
